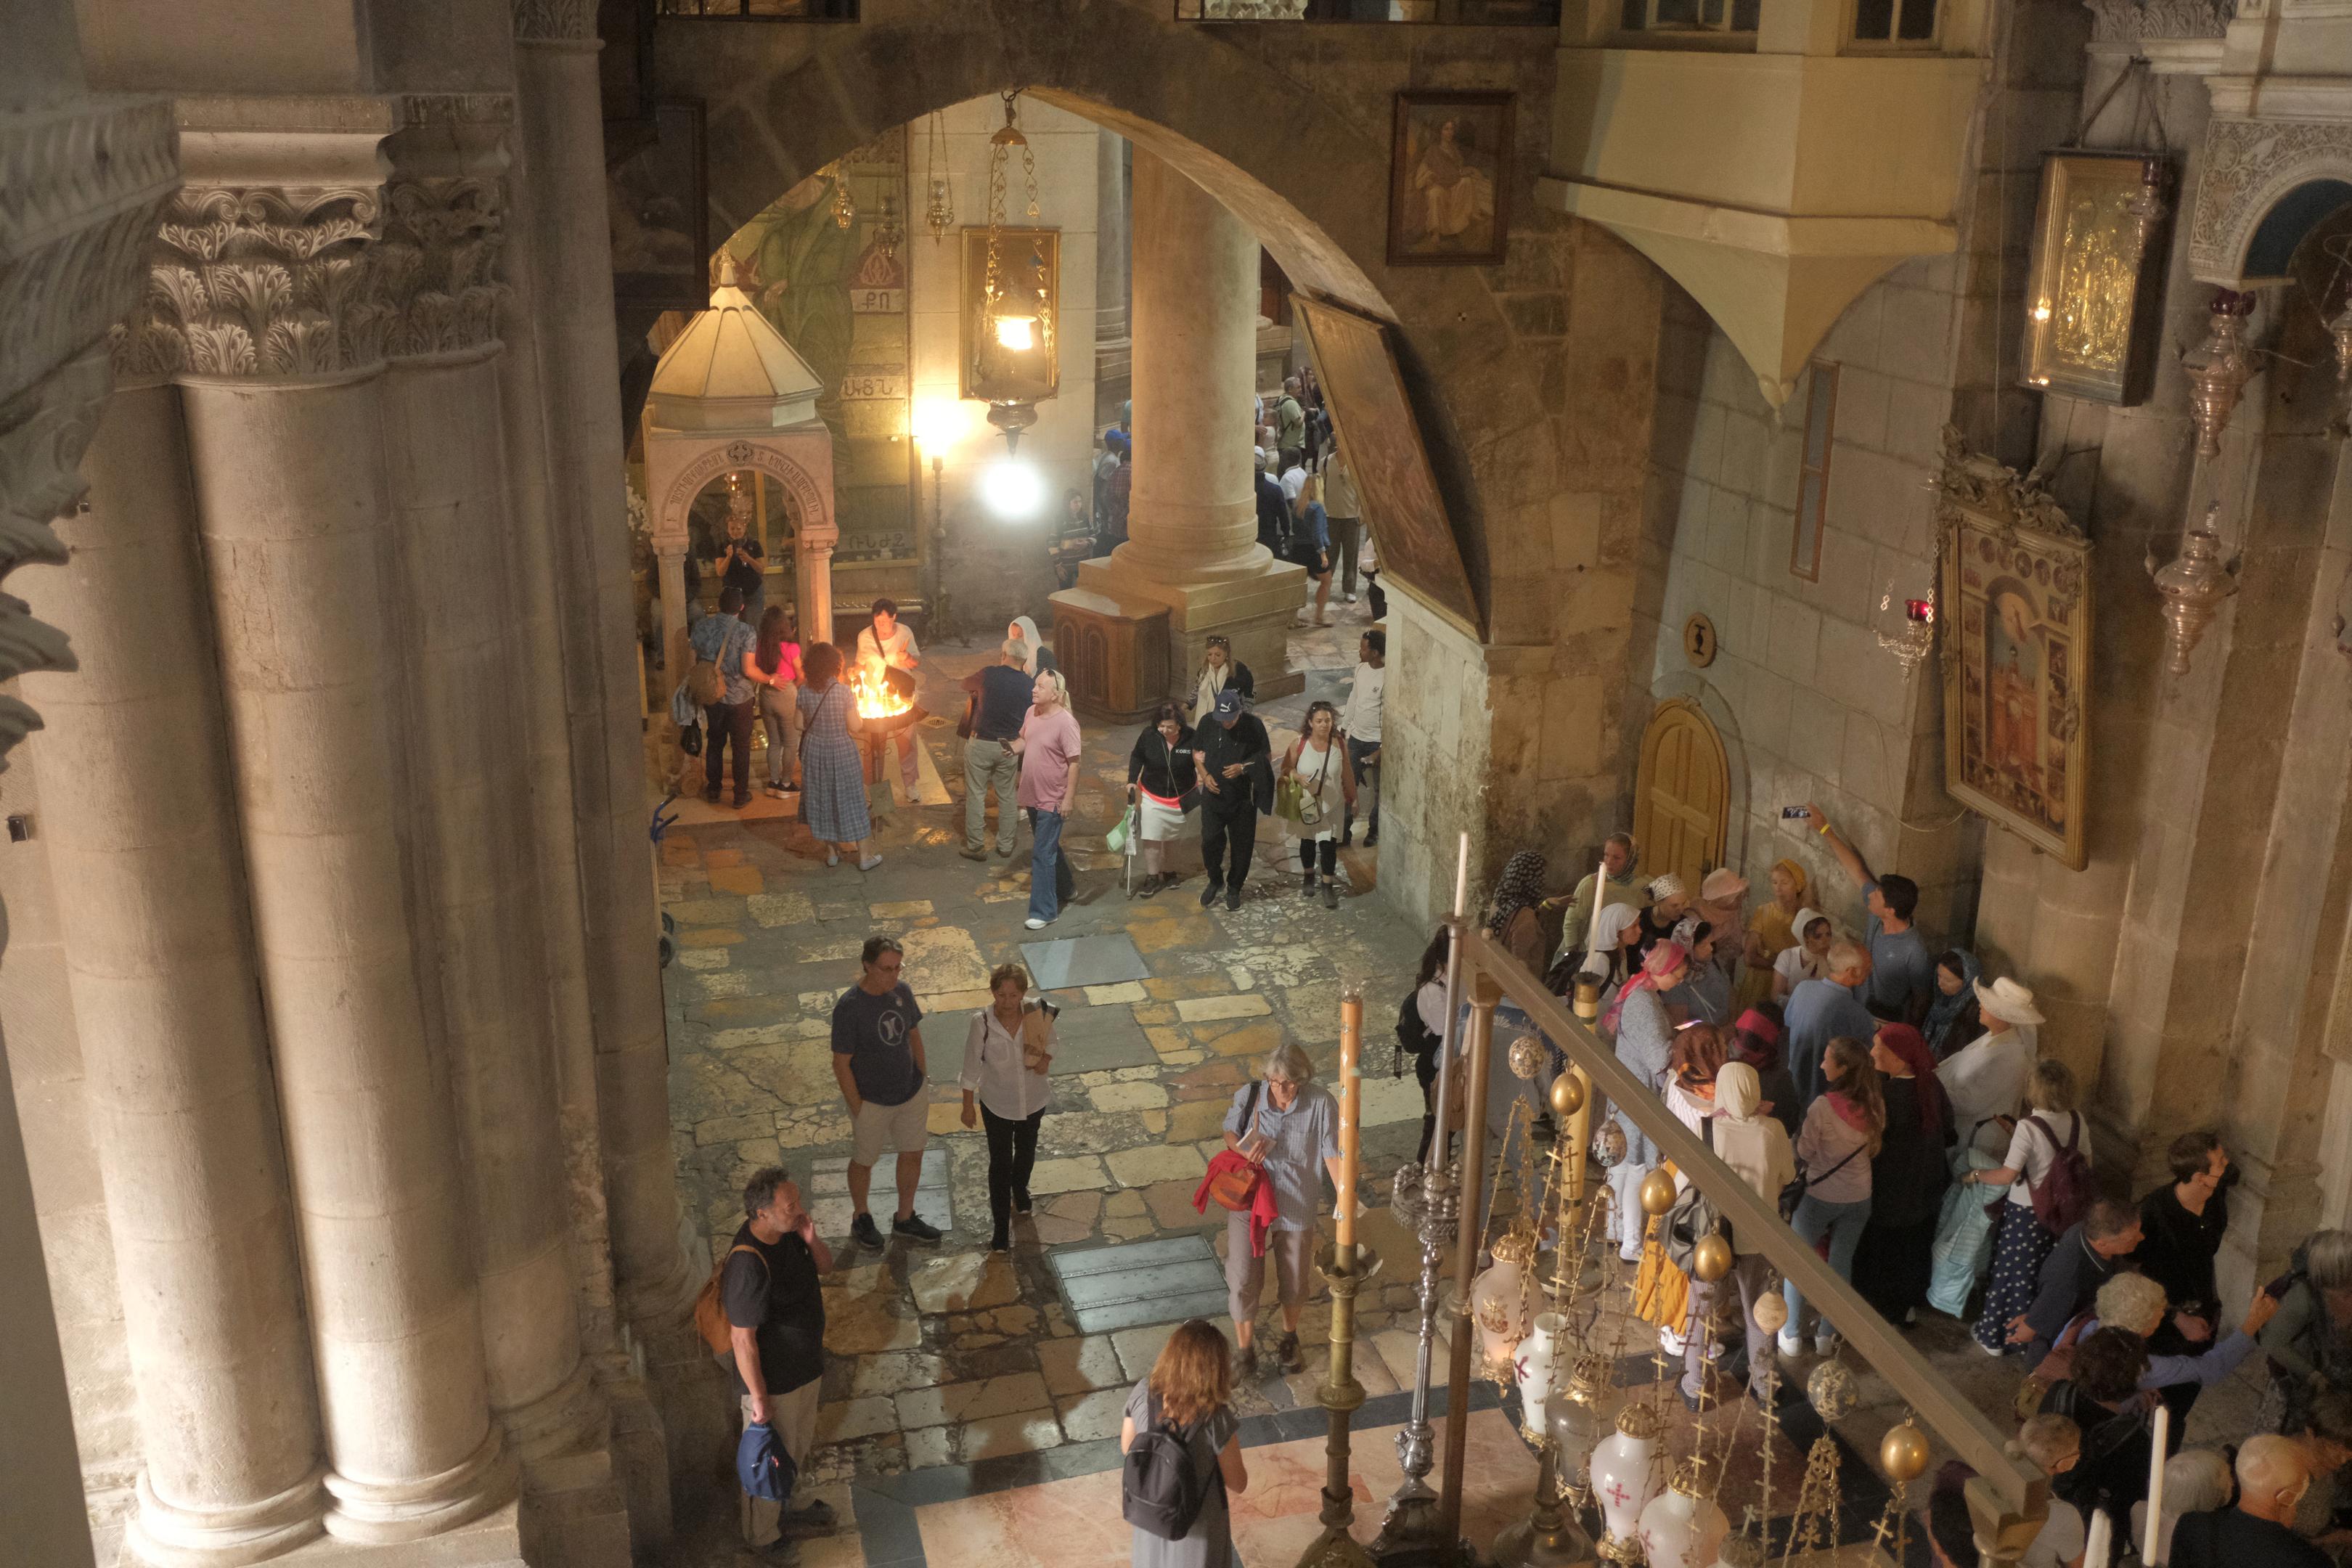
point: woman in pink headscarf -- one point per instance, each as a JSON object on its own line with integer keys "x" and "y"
{"x": 1907, "y": 1176}
{"x": 1645, "y": 1039}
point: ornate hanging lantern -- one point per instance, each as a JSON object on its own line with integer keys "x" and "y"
{"x": 845, "y": 208}
{"x": 1015, "y": 358}
{"x": 2193, "y": 588}
{"x": 2219, "y": 369}
{"x": 939, "y": 216}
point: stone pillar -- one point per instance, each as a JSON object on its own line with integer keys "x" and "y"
{"x": 558, "y": 219}
{"x": 1111, "y": 228}
{"x": 670, "y": 570}
{"x": 457, "y": 647}
{"x": 1192, "y": 527}
{"x": 149, "y": 889}
{"x": 91, "y": 172}
{"x": 284, "y": 395}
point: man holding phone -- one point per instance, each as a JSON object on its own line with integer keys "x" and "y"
{"x": 1901, "y": 970}
{"x": 775, "y": 1319}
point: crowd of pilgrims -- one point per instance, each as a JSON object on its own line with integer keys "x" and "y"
{"x": 1894, "y": 1102}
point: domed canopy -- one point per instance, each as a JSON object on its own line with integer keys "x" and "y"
{"x": 731, "y": 370}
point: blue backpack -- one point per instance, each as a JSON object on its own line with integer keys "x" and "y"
{"x": 766, "y": 1472}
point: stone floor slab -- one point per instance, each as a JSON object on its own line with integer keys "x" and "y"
{"x": 1084, "y": 960}
{"x": 1107, "y": 1288}
{"x": 1208, "y": 1009}
{"x": 967, "y": 1282}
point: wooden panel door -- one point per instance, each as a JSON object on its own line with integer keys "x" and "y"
{"x": 1680, "y": 795}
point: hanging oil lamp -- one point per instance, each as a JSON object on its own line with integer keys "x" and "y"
{"x": 2194, "y": 586}
{"x": 1015, "y": 361}
{"x": 2219, "y": 369}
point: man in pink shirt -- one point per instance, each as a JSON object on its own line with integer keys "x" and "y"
{"x": 1048, "y": 748}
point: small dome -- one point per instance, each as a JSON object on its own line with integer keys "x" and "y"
{"x": 731, "y": 370}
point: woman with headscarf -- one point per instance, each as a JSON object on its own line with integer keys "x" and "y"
{"x": 1807, "y": 958}
{"x": 1513, "y": 917}
{"x": 1610, "y": 961}
{"x": 1757, "y": 1147}
{"x": 1645, "y": 1040}
{"x": 1756, "y": 1039}
{"x": 1985, "y": 1082}
{"x": 1035, "y": 654}
{"x": 1952, "y": 1018}
{"x": 1907, "y": 1176}
{"x": 1771, "y": 931}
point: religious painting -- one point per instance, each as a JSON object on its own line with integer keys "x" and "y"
{"x": 1381, "y": 441}
{"x": 1449, "y": 179}
{"x": 2017, "y": 637}
{"x": 654, "y": 207}
{"x": 2096, "y": 292}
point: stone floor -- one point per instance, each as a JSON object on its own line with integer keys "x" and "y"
{"x": 948, "y": 1360}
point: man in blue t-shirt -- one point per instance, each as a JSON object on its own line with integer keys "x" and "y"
{"x": 877, "y": 1058}
{"x": 1902, "y": 981}
{"x": 1822, "y": 1010}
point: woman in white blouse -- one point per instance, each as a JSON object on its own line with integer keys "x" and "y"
{"x": 1006, "y": 1057}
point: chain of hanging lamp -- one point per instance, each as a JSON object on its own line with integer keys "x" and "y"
{"x": 941, "y": 213}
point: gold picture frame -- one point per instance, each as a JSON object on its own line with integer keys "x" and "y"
{"x": 2016, "y": 592}
{"x": 2096, "y": 286}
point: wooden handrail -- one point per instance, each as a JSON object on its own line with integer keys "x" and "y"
{"x": 2022, "y": 1488}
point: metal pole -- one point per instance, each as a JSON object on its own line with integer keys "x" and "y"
{"x": 1465, "y": 1256}
{"x": 1409, "y": 1531}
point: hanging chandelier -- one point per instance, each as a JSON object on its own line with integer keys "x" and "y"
{"x": 941, "y": 213}
{"x": 1016, "y": 363}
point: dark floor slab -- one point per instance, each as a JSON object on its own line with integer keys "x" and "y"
{"x": 1082, "y": 961}
{"x": 1162, "y": 1282}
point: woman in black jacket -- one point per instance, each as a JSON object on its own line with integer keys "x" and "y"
{"x": 1161, "y": 781}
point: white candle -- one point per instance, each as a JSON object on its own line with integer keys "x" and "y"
{"x": 2098, "y": 1543}
{"x": 2156, "y": 1488}
{"x": 1462, "y": 879}
{"x": 1351, "y": 1120}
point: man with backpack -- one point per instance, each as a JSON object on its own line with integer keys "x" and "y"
{"x": 2086, "y": 1257}
{"x": 719, "y": 682}
{"x": 776, "y": 1323}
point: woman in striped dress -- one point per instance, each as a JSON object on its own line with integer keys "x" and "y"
{"x": 833, "y": 773}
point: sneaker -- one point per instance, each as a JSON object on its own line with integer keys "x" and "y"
{"x": 1791, "y": 1343}
{"x": 1826, "y": 1342}
{"x": 1004, "y": 851}
{"x": 1350, "y": 598}
{"x": 1670, "y": 1341}
{"x": 1234, "y": 900}
{"x": 833, "y": 856}
{"x": 869, "y": 862}
{"x": 862, "y": 1231}
{"x": 1033, "y": 923}
{"x": 1293, "y": 1358}
{"x": 973, "y": 854}
{"x": 1331, "y": 895}
{"x": 916, "y": 1227}
{"x": 812, "y": 1518}
{"x": 738, "y": 801}
{"x": 777, "y": 791}
{"x": 1209, "y": 894}
{"x": 1152, "y": 884}
{"x": 1247, "y": 1365}
{"x": 711, "y": 795}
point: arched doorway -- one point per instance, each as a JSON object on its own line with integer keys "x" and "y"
{"x": 1681, "y": 792}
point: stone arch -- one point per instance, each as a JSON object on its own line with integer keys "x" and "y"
{"x": 2266, "y": 185}
{"x": 1307, "y": 171}
{"x": 805, "y": 509}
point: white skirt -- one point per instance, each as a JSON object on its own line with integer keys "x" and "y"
{"x": 1160, "y": 818}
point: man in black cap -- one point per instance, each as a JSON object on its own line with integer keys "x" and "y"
{"x": 1233, "y": 757}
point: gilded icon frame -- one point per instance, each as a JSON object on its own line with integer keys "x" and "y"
{"x": 2096, "y": 281}
{"x": 2015, "y": 581}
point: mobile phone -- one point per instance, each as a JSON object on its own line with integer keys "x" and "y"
{"x": 1797, "y": 812}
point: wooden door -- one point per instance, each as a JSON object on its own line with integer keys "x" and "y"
{"x": 1680, "y": 795}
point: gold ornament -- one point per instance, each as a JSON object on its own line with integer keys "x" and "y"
{"x": 1771, "y": 1311}
{"x": 1608, "y": 1145}
{"x": 1903, "y": 1453}
{"x": 1639, "y": 1422}
{"x": 1657, "y": 1192}
{"x": 1526, "y": 1057}
{"x": 1566, "y": 1094}
{"x": 1711, "y": 1259}
{"x": 1831, "y": 1391}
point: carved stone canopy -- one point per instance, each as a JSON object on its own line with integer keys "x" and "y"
{"x": 2137, "y": 21}
{"x": 2264, "y": 184}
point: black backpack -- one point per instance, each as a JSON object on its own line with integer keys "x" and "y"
{"x": 1161, "y": 1490}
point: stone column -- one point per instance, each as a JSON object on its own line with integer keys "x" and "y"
{"x": 1111, "y": 237}
{"x": 670, "y": 570}
{"x": 89, "y": 175}
{"x": 1191, "y": 546}
{"x": 150, "y": 894}
{"x": 558, "y": 223}
{"x": 456, "y": 645}
{"x": 283, "y": 389}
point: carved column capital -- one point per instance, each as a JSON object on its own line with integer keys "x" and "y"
{"x": 443, "y": 238}
{"x": 555, "y": 22}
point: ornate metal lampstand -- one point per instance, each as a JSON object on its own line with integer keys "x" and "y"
{"x": 1349, "y": 1264}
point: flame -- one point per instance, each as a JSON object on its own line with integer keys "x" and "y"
{"x": 876, "y": 700}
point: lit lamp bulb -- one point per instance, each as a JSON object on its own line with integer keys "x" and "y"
{"x": 1017, "y": 334}
{"x": 2041, "y": 311}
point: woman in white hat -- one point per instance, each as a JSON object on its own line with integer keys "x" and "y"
{"x": 1809, "y": 959}
{"x": 1985, "y": 1082}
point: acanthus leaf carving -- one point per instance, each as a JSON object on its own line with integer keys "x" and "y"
{"x": 268, "y": 283}
{"x": 2136, "y": 21}
{"x": 444, "y": 238}
{"x": 2247, "y": 165}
